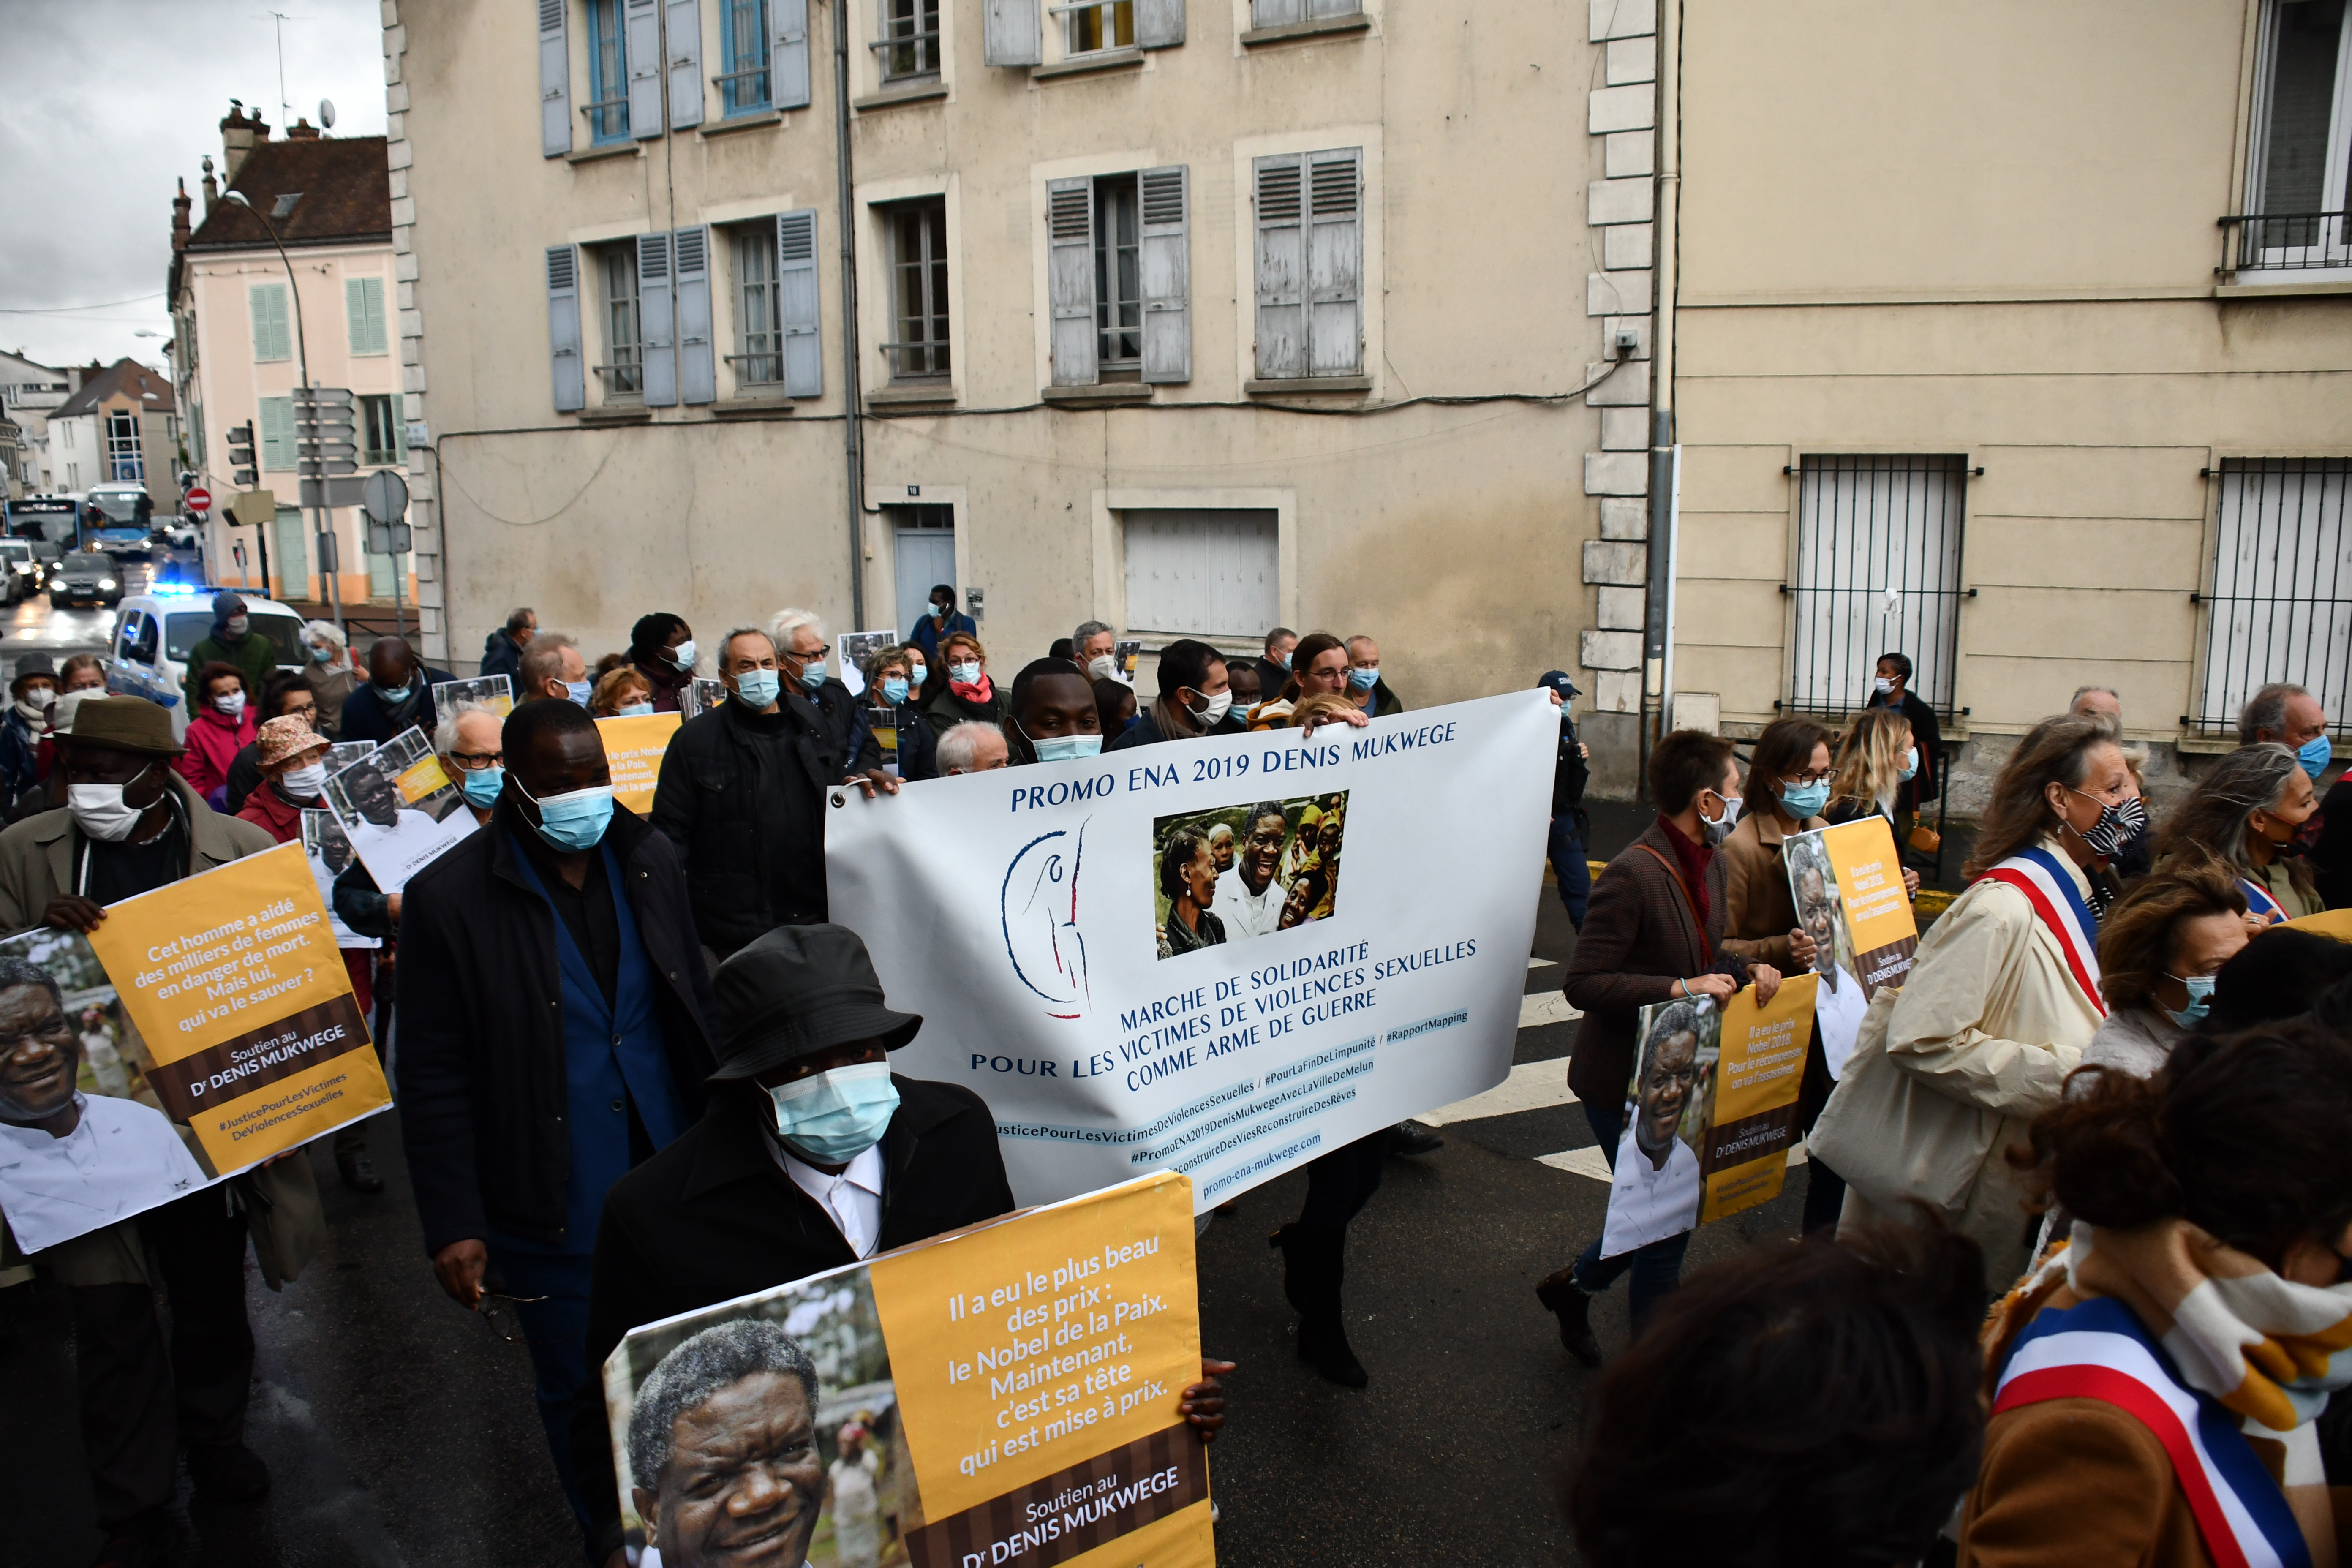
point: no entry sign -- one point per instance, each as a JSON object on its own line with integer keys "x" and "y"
{"x": 198, "y": 501}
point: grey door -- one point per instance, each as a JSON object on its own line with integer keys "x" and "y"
{"x": 925, "y": 541}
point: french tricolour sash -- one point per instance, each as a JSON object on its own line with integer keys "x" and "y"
{"x": 2099, "y": 1351}
{"x": 2046, "y": 885}
{"x": 2259, "y": 900}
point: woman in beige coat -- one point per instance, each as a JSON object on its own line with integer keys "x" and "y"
{"x": 1998, "y": 1008}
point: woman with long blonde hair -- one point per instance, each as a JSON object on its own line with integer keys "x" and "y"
{"x": 1875, "y": 759}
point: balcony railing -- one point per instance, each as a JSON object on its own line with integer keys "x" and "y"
{"x": 2281, "y": 242}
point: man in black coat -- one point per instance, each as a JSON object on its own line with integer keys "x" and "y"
{"x": 766, "y": 1189}
{"x": 554, "y": 1002}
{"x": 502, "y": 649}
{"x": 398, "y": 695}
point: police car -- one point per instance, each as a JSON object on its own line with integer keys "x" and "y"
{"x": 149, "y": 655}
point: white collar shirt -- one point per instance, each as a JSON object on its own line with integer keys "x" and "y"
{"x": 852, "y": 1200}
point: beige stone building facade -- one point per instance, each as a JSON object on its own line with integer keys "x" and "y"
{"x": 2018, "y": 338}
{"x": 1190, "y": 316}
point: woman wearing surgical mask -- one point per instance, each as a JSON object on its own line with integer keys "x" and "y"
{"x": 662, "y": 652}
{"x": 327, "y": 673}
{"x": 969, "y": 696}
{"x": 2159, "y": 948}
{"x": 622, "y": 694}
{"x": 217, "y": 730}
{"x": 891, "y": 734}
{"x": 1053, "y": 717}
{"x": 2246, "y": 811}
{"x": 1195, "y": 699}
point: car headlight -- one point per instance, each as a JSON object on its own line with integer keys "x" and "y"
{"x": 106, "y": 581}
{"x": 23, "y": 565}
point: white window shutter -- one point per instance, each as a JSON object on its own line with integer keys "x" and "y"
{"x": 788, "y": 53}
{"x": 564, "y": 328}
{"x": 656, "y": 317}
{"x": 697, "y": 368}
{"x": 682, "y": 19}
{"x": 1335, "y": 263}
{"x": 643, "y": 46}
{"x": 1167, "y": 266}
{"x": 1158, "y": 23}
{"x": 796, "y": 303}
{"x": 1333, "y": 8}
{"x": 1275, "y": 12}
{"x": 554, "y": 80}
{"x": 1011, "y": 33}
{"x": 268, "y": 306}
{"x": 1281, "y": 265}
{"x": 1070, "y": 279}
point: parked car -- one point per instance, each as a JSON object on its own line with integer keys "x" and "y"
{"x": 149, "y": 655}
{"x": 20, "y": 572}
{"x": 86, "y": 578}
{"x": 176, "y": 533}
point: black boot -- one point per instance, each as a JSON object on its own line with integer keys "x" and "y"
{"x": 1563, "y": 1298}
{"x": 1290, "y": 1241}
{"x": 1316, "y": 1267}
{"x": 1413, "y": 1138}
{"x": 358, "y": 1171}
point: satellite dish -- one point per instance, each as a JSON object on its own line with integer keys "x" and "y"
{"x": 327, "y": 113}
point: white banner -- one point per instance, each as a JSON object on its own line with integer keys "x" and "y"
{"x": 1150, "y": 961}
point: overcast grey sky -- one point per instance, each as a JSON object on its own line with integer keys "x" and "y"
{"x": 103, "y": 104}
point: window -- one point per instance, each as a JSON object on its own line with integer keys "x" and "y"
{"x": 759, "y": 356}
{"x": 1119, "y": 274}
{"x": 1275, "y": 13}
{"x": 271, "y": 338}
{"x": 1310, "y": 265}
{"x": 910, "y": 39}
{"x": 1878, "y": 571}
{"x": 382, "y": 441}
{"x": 364, "y": 314}
{"x": 1204, "y": 573}
{"x": 625, "y": 349}
{"x": 1119, "y": 281}
{"x": 122, "y": 460}
{"x": 2280, "y": 606}
{"x": 745, "y": 87}
{"x": 275, "y": 427}
{"x": 919, "y": 290}
{"x": 1098, "y": 24}
{"x": 608, "y": 73}
{"x": 2301, "y": 163}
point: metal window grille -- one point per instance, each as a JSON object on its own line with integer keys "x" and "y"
{"x": 760, "y": 360}
{"x": 1093, "y": 26}
{"x": 919, "y": 272}
{"x": 1878, "y": 571}
{"x": 2300, "y": 160}
{"x": 122, "y": 459}
{"x": 2280, "y": 602}
{"x": 1118, "y": 275}
{"x": 910, "y": 44}
{"x": 746, "y": 82}
{"x": 625, "y": 374}
{"x": 608, "y": 72}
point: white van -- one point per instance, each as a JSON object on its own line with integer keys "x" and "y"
{"x": 149, "y": 657}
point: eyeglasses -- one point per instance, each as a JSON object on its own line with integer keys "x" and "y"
{"x": 475, "y": 762}
{"x": 498, "y": 1310}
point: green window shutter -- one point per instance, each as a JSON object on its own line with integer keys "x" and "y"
{"x": 276, "y": 428}
{"x": 271, "y": 340}
{"x": 364, "y": 307}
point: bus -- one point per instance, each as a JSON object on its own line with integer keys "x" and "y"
{"x": 119, "y": 520}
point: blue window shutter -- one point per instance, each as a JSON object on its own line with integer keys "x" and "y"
{"x": 364, "y": 314}
{"x": 554, "y": 80}
{"x": 796, "y": 303}
{"x": 657, "y": 319}
{"x": 564, "y": 328}
{"x": 643, "y": 65}
{"x": 1070, "y": 280}
{"x": 684, "y": 21}
{"x": 1167, "y": 269}
{"x": 271, "y": 338}
{"x": 788, "y": 53}
{"x": 698, "y": 366}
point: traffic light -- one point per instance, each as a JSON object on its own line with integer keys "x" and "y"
{"x": 326, "y": 438}
{"x": 240, "y": 456}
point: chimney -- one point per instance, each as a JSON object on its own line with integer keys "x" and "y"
{"x": 212, "y": 188}
{"x": 239, "y": 132}
{"x": 302, "y": 130}
{"x": 180, "y": 205}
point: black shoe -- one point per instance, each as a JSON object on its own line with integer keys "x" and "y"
{"x": 227, "y": 1472}
{"x": 1413, "y": 1138}
{"x": 359, "y": 1171}
{"x": 142, "y": 1541}
{"x": 1563, "y": 1298}
{"x": 1323, "y": 1346}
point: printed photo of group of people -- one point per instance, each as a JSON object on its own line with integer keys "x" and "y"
{"x": 1246, "y": 870}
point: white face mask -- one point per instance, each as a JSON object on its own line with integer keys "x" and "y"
{"x": 34, "y": 707}
{"x": 1102, "y": 667}
{"x": 1720, "y": 829}
{"x": 301, "y": 783}
{"x": 99, "y": 811}
{"x": 231, "y": 705}
{"x": 1214, "y": 712}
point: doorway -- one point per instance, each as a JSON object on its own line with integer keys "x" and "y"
{"x": 289, "y": 555}
{"x": 923, "y": 538}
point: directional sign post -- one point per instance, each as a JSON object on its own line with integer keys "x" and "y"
{"x": 326, "y": 443}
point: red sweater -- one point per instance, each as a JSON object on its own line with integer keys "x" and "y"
{"x": 214, "y": 740}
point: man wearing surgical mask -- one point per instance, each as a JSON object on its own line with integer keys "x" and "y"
{"x": 661, "y": 649}
{"x": 1093, "y": 649}
{"x": 1054, "y": 716}
{"x": 1196, "y": 699}
{"x": 554, "y": 669}
{"x": 801, "y": 650}
{"x": 1366, "y": 689}
{"x": 814, "y": 1155}
{"x": 233, "y": 642}
{"x": 554, "y": 1034}
{"x": 398, "y": 695}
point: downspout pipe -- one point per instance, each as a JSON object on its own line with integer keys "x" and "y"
{"x": 1662, "y": 379}
{"x": 852, "y": 423}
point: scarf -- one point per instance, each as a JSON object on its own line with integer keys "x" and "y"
{"x": 976, "y": 692}
{"x": 1694, "y": 858}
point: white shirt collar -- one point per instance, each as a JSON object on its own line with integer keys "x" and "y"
{"x": 852, "y": 1200}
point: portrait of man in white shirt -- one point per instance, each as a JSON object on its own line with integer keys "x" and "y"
{"x": 1653, "y": 1191}
{"x": 1250, "y": 896}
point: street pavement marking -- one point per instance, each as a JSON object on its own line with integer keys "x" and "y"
{"x": 1532, "y": 1086}
{"x": 1590, "y": 1162}
{"x": 1545, "y": 1007}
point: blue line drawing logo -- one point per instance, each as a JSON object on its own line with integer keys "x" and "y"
{"x": 1038, "y": 908}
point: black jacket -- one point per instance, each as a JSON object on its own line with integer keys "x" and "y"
{"x": 2331, "y": 857}
{"x": 742, "y": 798}
{"x": 365, "y": 718}
{"x": 1146, "y": 731}
{"x": 918, "y": 748}
{"x": 1922, "y": 787}
{"x": 482, "y": 1088}
{"x": 501, "y": 655}
{"x": 714, "y": 1216}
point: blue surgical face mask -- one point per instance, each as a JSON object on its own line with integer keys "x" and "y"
{"x": 633, "y": 709}
{"x": 1801, "y": 801}
{"x": 1063, "y": 748}
{"x": 320, "y": 654}
{"x": 1910, "y": 765}
{"x": 1283, "y": 659}
{"x": 812, "y": 674}
{"x": 831, "y": 1118}
{"x": 967, "y": 672}
{"x": 2200, "y": 999}
{"x": 682, "y": 655}
{"x": 574, "y": 820}
{"x": 579, "y": 690}
{"x": 395, "y": 694}
{"x": 2314, "y": 755}
{"x": 757, "y": 688}
{"x": 1362, "y": 679}
{"x": 482, "y": 785}
{"x": 918, "y": 675}
{"x": 893, "y": 689}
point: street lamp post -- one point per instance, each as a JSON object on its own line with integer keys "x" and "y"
{"x": 327, "y": 562}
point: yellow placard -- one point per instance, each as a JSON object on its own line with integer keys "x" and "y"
{"x": 1757, "y": 1076}
{"x": 1870, "y": 882}
{"x": 235, "y": 985}
{"x": 634, "y": 746}
{"x": 421, "y": 778}
{"x": 2337, "y": 924}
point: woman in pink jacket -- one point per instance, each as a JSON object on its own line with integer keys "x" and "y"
{"x": 221, "y": 727}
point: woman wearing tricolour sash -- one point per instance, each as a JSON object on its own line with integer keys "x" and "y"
{"x": 2001, "y": 999}
{"x": 2155, "y": 1385}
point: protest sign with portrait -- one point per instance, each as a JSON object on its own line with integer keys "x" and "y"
{"x": 399, "y": 809}
{"x": 1007, "y": 1392}
{"x": 699, "y": 696}
{"x": 1246, "y": 870}
{"x": 856, "y": 649}
{"x": 634, "y": 746}
{"x": 495, "y": 692}
{"x": 329, "y": 850}
{"x": 1847, "y": 884}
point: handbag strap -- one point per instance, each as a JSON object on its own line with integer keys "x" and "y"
{"x": 1705, "y": 954}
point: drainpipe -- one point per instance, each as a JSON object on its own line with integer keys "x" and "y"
{"x": 1659, "y": 604}
{"x": 853, "y": 454}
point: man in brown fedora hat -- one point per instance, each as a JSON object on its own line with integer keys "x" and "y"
{"x": 131, "y": 824}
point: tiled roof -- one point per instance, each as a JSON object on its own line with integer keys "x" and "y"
{"x": 346, "y": 195}
{"x": 127, "y": 377}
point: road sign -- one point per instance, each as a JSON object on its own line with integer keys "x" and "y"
{"x": 385, "y": 494}
{"x": 198, "y": 501}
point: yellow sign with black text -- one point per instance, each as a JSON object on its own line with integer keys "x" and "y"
{"x": 634, "y": 746}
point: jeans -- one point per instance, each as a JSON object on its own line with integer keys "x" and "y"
{"x": 1656, "y": 1268}
{"x": 556, "y": 1332}
{"x": 1569, "y": 864}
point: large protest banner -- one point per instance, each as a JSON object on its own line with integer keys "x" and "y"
{"x": 209, "y": 1024}
{"x": 1847, "y": 884}
{"x": 635, "y": 747}
{"x": 1007, "y": 1394}
{"x": 1150, "y": 959}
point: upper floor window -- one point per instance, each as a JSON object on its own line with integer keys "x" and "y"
{"x": 2301, "y": 162}
{"x": 759, "y": 358}
{"x": 1310, "y": 263}
{"x": 919, "y": 290}
{"x": 745, "y": 85}
{"x": 382, "y": 441}
{"x": 1098, "y": 24}
{"x": 1275, "y": 13}
{"x": 624, "y": 347}
{"x": 1118, "y": 276}
{"x": 910, "y": 39}
{"x": 363, "y": 313}
{"x": 272, "y": 337}
{"x": 122, "y": 460}
{"x": 608, "y": 72}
